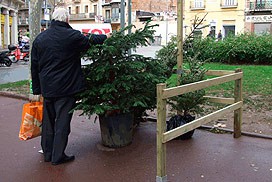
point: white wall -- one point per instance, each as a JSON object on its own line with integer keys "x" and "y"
{"x": 171, "y": 26}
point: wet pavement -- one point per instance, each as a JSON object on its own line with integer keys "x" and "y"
{"x": 206, "y": 157}
{"x": 16, "y": 72}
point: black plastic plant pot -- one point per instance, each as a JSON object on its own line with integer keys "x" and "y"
{"x": 179, "y": 120}
{"x": 117, "y": 130}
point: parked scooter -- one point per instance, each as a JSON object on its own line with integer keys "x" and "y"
{"x": 19, "y": 52}
{"x": 4, "y": 59}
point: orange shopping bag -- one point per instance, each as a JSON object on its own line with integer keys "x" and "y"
{"x": 31, "y": 125}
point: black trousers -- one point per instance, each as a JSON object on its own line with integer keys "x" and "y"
{"x": 57, "y": 117}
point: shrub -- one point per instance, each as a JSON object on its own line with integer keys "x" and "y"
{"x": 241, "y": 49}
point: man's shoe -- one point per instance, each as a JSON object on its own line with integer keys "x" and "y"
{"x": 47, "y": 158}
{"x": 65, "y": 159}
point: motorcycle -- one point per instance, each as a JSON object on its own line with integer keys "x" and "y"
{"x": 19, "y": 52}
{"x": 4, "y": 59}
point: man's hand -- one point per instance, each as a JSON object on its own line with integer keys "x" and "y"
{"x": 34, "y": 98}
{"x": 108, "y": 35}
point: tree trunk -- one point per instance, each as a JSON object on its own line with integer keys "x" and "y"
{"x": 35, "y": 9}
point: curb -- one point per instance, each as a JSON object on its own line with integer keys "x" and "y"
{"x": 208, "y": 128}
{"x": 13, "y": 95}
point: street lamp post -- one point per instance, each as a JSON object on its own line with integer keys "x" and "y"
{"x": 129, "y": 21}
{"x": 166, "y": 23}
{"x": 46, "y": 15}
{"x": 122, "y": 19}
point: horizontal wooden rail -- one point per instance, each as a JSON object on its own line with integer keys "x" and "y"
{"x": 218, "y": 72}
{"x": 167, "y": 136}
{"x": 220, "y": 100}
{"x": 214, "y": 72}
{"x": 234, "y": 104}
{"x": 171, "y": 92}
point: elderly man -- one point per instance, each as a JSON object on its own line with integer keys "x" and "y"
{"x": 57, "y": 75}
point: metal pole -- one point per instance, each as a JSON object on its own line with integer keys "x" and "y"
{"x": 129, "y": 15}
{"x": 166, "y": 23}
{"x": 54, "y": 6}
{"x": 122, "y": 20}
{"x": 129, "y": 21}
{"x": 45, "y": 13}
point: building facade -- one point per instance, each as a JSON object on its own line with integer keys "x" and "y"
{"x": 106, "y": 11}
{"x": 9, "y": 22}
{"x": 227, "y": 16}
{"x": 23, "y": 15}
{"x": 111, "y": 12}
{"x": 84, "y": 11}
{"x": 140, "y": 10}
{"x": 154, "y": 5}
{"x": 259, "y": 16}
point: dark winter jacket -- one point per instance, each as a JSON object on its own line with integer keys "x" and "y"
{"x": 55, "y": 60}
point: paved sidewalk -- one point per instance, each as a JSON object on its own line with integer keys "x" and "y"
{"x": 206, "y": 157}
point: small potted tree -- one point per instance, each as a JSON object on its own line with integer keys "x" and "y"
{"x": 187, "y": 104}
{"x": 120, "y": 86}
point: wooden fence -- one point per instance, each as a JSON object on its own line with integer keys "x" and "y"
{"x": 163, "y": 93}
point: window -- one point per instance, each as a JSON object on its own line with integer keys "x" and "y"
{"x": 199, "y": 4}
{"x": 260, "y": 28}
{"x": 212, "y": 31}
{"x": 107, "y": 14}
{"x": 260, "y": 4}
{"x": 70, "y": 10}
{"x": 230, "y": 3}
{"x": 115, "y": 13}
{"x": 77, "y": 9}
{"x": 197, "y": 33}
{"x": 229, "y": 30}
{"x": 86, "y": 9}
{"x": 95, "y": 9}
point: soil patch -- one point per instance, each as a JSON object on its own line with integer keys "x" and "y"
{"x": 257, "y": 115}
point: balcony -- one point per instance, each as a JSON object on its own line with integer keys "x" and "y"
{"x": 92, "y": 15}
{"x": 23, "y": 21}
{"x": 107, "y": 20}
{"x": 115, "y": 19}
{"x": 229, "y": 4}
{"x": 197, "y": 5}
{"x": 19, "y": 1}
{"x": 76, "y": 1}
{"x": 115, "y": 1}
{"x": 105, "y": 2}
{"x": 82, "y": 16}
{"x": 24, "y": 7}
{"x": 265, "y": 5}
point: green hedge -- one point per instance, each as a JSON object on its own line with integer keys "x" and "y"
{"x": 239, "y": 49}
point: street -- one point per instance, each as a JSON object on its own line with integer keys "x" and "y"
{"x": 16, "y": 72}
{"x": 20, "y": 71}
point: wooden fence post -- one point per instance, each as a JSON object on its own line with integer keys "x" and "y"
{"x": 238, "y": 112}
{"x": 161, "y": 128}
